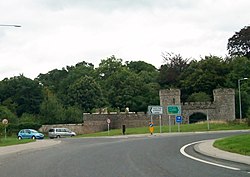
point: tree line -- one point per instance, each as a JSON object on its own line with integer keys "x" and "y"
{"x": 62, "y": 95}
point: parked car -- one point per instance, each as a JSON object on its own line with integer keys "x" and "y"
{"x": 60, "y": 132}
{"x": 29, "y": 134}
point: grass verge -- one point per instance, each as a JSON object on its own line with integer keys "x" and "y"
{"x": 174, "y": 128}
{"x": 13, "y": 141}
{"x": 237, "y": 144}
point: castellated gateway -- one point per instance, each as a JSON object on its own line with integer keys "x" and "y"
{"x": 222, "y": 108}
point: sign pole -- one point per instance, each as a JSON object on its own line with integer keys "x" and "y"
{"x": 5, "y": 132}
{"x": 108, "y": 121}
{"x": 178, "y": 120}
{"x": 207, "y": 121}
{"x": 160, "y": 122}
{"x": 169, "y": 123}
{"x": 5, "y": 122}
{"x": 108, "y": 128}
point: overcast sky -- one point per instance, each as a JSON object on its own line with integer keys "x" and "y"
{"x": 59, "y": 33}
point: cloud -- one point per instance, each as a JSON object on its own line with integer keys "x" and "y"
{"x": 55, "y": 34}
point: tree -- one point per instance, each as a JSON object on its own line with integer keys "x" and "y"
{"x": 74, "y": 73}
{"x": 51, "y": 109}
{"x": 144, "y": 70}
{"x": 52, "y": 79}
{"x": 239, "y": 43}
{"x": 204, "y": 76}
{"x": 86, "y": 94}
{"x": 239, "y": 67}
{"x": 22, "y": 94}
{"x": 128, "y": 89}
{"x": 171, "y": 71}
{"x": 5, "y": 113}
{"x": 109, "y": 66}
{"x": 199, "y": 97}
{"x": 139, "y": 66}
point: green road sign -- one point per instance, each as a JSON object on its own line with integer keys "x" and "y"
{"x": 174, "y": 109}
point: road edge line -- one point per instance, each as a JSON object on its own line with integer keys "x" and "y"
{"x": 182, "y": 151}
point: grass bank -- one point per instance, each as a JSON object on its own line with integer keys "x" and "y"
{"x": 13, "y": 141}
{"x": 174, "y": 128}
{"x": 237, "y": 144}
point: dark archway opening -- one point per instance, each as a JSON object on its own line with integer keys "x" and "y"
{"x": 197, "y": 117}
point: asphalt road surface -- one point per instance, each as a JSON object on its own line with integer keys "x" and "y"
{"x": 146, "y": 156}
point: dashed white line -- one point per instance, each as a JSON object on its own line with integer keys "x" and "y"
{"x": 182, "y": 150}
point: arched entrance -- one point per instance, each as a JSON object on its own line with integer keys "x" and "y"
{"x": 197, "y": 117}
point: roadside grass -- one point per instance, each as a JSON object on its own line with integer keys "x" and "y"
{"x": 13, "y": 141}
{"x": 237, "y": 144}
{"x": 174, "y": 128}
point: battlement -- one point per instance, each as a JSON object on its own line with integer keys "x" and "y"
{"x": 170, "y": 92}
{"x": 197, "y": 103}
{"x": 223, "y": 91}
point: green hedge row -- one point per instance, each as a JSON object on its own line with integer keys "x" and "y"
{"x": 15, "y": 128}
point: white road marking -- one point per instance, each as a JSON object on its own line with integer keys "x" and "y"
{"x": 182, "y": 150}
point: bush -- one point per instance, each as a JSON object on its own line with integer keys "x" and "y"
{"x": 15, "y": 128}
{"x": 248, "y": 117}
{"x": 2, "y": 126}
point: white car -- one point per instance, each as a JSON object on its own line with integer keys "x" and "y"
{"x": 60, "y": 132}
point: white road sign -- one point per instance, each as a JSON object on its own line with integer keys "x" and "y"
{"x": 108, "y": 121}
{"x": 155, "y": 110}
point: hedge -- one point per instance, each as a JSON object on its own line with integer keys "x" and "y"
{"x": 15, "y": 128}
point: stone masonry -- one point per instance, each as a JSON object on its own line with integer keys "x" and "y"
{"x": 222, "y": 108}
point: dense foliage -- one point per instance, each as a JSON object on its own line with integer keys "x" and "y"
{"x": 62, "y": 95}
{"x": 239, "y": 43}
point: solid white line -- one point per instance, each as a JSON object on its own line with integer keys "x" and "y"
{"x": 182, "y": 150}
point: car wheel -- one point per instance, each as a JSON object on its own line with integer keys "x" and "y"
{"x": 19, "y": 137}
{"x": 33, "y": 137}
{"x": 58, "y": 136}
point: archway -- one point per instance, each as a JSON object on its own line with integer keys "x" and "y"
{"x": 197, "y": 117}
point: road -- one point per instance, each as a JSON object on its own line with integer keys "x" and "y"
{"x": 146, "y": 156}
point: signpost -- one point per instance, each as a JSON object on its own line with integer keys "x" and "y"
{"x": 173, "y": 110}
{"x": 178, "y": 119}
{"x": 155, "y": 110}
{"x": 5, "y": 122}
{"x": 108, "y": 121}
{"x": 208, "y": 128}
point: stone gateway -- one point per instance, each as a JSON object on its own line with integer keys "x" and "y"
{"x": 222, "y": 108}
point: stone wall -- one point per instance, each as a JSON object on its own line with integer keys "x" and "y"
{"x": 223, "y": 108}
{"x": 224, "y": 100}
{"x": 98, "y": 122}
{"x": 78, "y": 128}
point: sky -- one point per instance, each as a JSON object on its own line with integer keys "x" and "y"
{"x": 56, "y": 34}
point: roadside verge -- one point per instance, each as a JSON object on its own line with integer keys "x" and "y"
{"x": 38, "y": 144}
{"x": 206, "y": 147}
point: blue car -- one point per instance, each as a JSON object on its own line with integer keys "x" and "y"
{"x": 29, "y": 134}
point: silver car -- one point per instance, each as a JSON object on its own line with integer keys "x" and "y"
{"x": 60, "y": 132}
